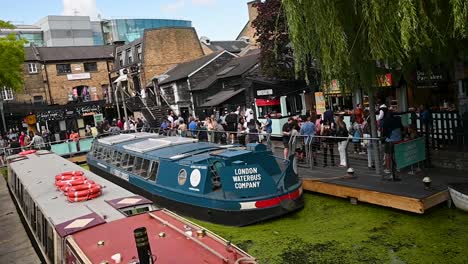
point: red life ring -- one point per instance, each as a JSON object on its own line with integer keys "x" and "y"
{"x": 71, "y": 188}
{"x": 82, "y": 187}
{"x": 72, "y": 173}
{"x": 83, "y": 198}
{"x": 68, "y": 178}
{"x": 27, "y": 152}
{"x": 72, "y": 182}
{"x": 85, "y": 193}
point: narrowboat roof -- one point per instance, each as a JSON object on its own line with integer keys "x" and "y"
{"x": 37, "y": 174}
{"x": 167, "y": 236}
{"x": 111, "y": 140}
{"x": 150, "y": 144}
{"x": 175, "y": 148}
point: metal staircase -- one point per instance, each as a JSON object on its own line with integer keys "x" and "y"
{"x": 150, "y": 110}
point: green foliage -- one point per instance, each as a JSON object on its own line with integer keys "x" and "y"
{"x": 11, "y": 59}
{"x": 350, "y": 38}
{"x": 276, "y": 58}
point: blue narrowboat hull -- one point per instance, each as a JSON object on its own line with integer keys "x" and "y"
{"x": 235, "y": 212}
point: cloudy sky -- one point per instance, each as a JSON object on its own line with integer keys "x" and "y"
{"x": 216, "y": 19}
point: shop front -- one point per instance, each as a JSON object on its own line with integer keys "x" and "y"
{"x": 61, "y": 120}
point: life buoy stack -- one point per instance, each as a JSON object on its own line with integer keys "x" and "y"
{"x": 27, "y": 152}
{"x": 76, "y": 187}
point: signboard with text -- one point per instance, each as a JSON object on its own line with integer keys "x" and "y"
{"x": 319, "y": 103}
{"x": 410, "y": 152}
{"x": 78, "y": 76}
{"x": 246, "y": 180}
{"x": 98, "y": 118}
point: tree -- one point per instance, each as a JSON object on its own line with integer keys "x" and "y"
{"x": 276, "y": 57}
{"x": 349, "y": 38}
{"x": 11, "y": 59}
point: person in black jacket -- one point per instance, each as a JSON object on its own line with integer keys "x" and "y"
{"x": 231, "y": 125}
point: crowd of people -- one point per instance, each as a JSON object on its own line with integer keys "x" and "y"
{"x": 323, "y": 133}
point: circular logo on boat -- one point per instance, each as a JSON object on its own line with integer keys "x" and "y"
{"x": 182, "y": 177}
{"x": 195, "y": 177}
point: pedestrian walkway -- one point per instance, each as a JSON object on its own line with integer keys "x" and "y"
{"x": 15, "y": 246}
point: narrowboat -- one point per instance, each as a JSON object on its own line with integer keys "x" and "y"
{"x": 224, "y": 184}
{"x": 116, "y": 226}
{"x": 459, "y": 195}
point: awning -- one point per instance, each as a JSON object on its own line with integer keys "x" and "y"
{"x": 121, "y": 78}
{"x": 221, "y": 97}
{"x": 267, "y": 102}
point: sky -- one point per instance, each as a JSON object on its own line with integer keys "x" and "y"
{"x": 215, "y": 19}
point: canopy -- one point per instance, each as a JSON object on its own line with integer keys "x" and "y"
{"x": 221, "y": 97}
{"x": 267, "y": 102}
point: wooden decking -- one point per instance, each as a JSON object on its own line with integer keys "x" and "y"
{"x": 409, "y": 194}
{"x": 15, "y": 246}
{"x": 78, "y": 159}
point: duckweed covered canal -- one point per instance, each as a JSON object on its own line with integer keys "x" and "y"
{"x": 331, "y": 230}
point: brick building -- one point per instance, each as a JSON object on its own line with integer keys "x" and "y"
{"x": 248, "y": 32}
{"x": 63, "y": 86}
{"x": 156, "y": 52}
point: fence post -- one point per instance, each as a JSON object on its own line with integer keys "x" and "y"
{"x": 428, "y": 149}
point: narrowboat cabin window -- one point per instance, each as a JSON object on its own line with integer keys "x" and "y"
{"x": 129, "y": 162}
{"x": 152, "y": 172}
{"x": 39, "y": 225}
{"x": 141, "y": 167}
{"x": 109, "y": 155}
{"x": 117, "y": 159}
{"x": 50, "y": 242}
{"x": 135, "y": 211}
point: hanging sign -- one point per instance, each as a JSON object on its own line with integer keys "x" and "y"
{"x": 98, "y": 118}
{"x": 319, "y": 103}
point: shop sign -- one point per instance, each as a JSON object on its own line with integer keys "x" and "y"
{"x": 265, "y": 92}
{"x": 410, "y": 152}
{"x": 98, "y": 118}
{"x": 88, "y": 110}
{"x": 333, "y": 88}
{"x": 429, "y": 79}
{"x": 50, "y": 115}
{"x": 320, "y": 103}
{"x": 69, "y": 113}
{"x": 385, "y": 80}
{"x": 78, "y": 76}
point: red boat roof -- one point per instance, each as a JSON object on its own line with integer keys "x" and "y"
{"x": 173, "y": 247}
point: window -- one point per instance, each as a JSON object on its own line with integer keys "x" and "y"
{"x": 139, "y": 50}
{"x": 294, "y": 104}
{"x": 121, "y": 60}
{"x": 63, "y": 68}
{"x": 130, "y": 56}
{"x": 7, "y": 93}
{"x": 90, "y": 66}
{"x": 38, "y": 99}
{"x": 153, "y": 170}
{"x": 32, "y": 68}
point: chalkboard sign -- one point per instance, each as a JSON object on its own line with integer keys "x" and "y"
{"x": 410, "y": 152}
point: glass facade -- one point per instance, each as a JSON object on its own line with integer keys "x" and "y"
{"x": 33, "y": 38}
{"x": 129, "y": 30}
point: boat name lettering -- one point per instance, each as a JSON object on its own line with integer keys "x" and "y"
{"x": 194, "y": 189}
{"x": 246, "y": 178}
{"x": 244, "y": 171}
{"x": 102, "y": 165}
